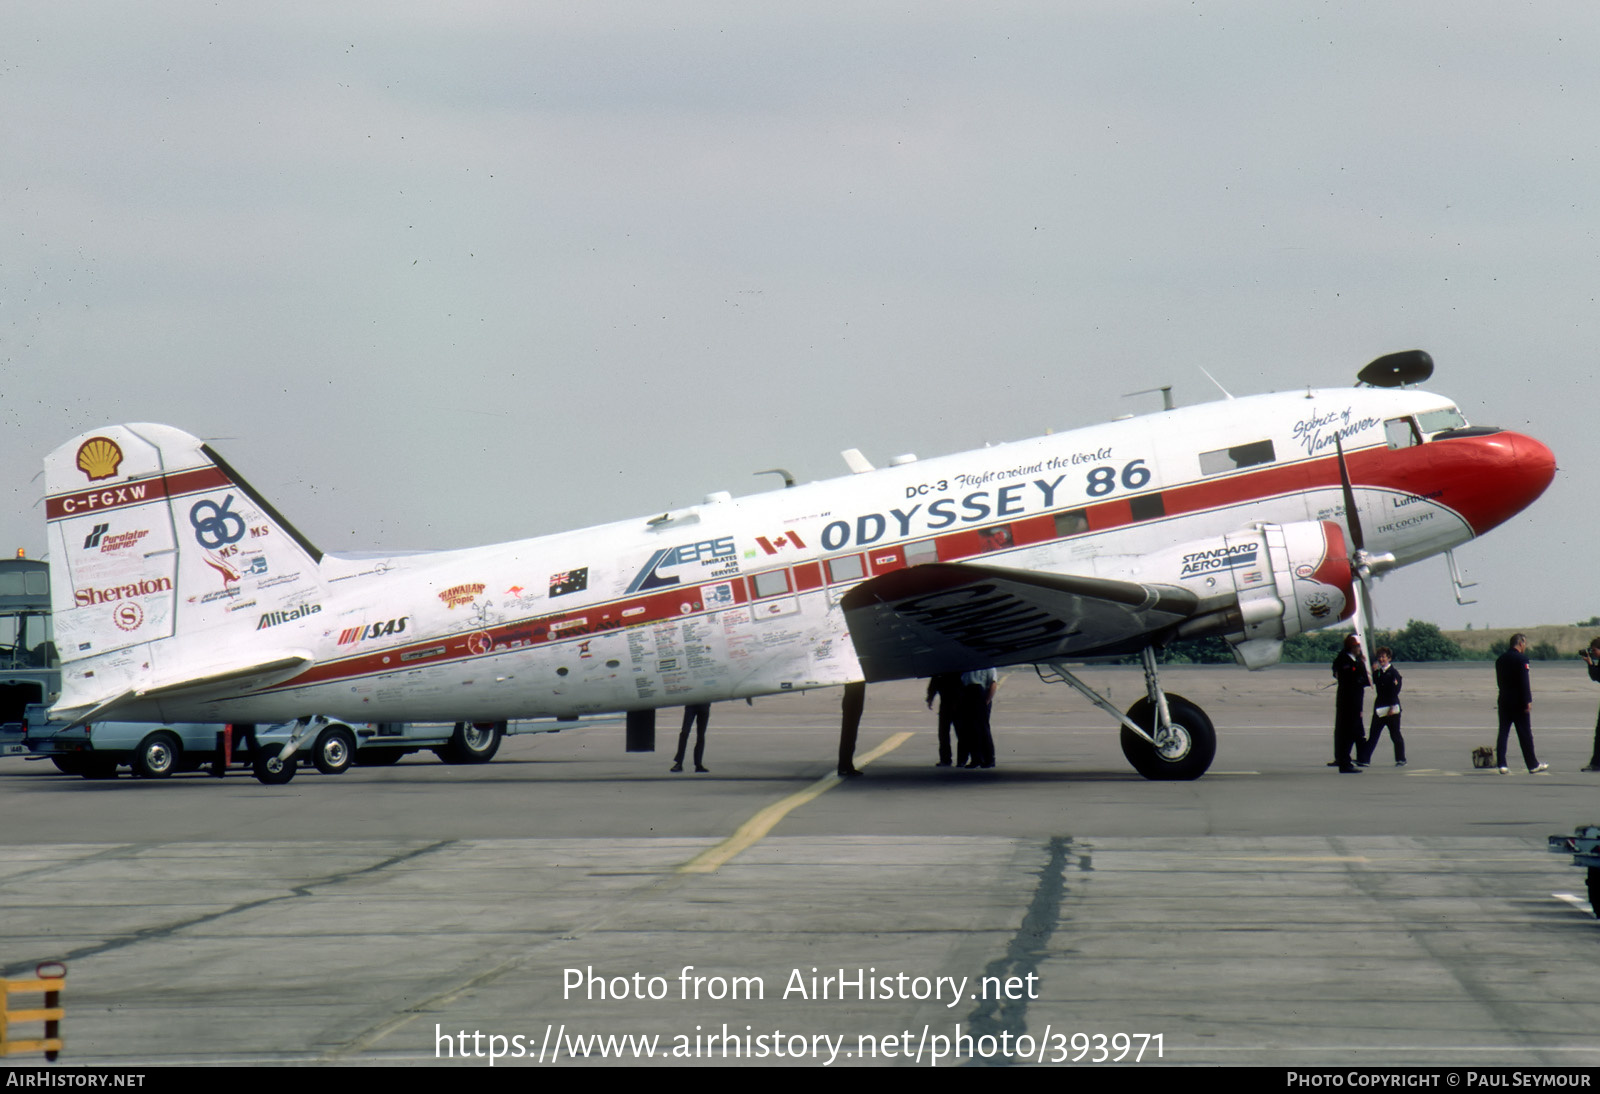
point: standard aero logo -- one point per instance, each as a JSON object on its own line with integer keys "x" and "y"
{"x": 99, "y": 458}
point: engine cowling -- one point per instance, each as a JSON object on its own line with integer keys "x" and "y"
{"x": 1262, "y": 584}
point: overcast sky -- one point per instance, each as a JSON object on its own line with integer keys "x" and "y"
{"x": 436, "y": 275}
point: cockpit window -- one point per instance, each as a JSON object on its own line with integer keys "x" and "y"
{"x": 1436, "y": 421}
{"x": 1240, "y": 455}
{"x": 1401, "y": 432}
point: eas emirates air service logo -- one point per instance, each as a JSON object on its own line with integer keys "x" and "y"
{"x": 99, "y": 458}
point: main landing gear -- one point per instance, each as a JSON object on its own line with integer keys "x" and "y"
{"x": 1163, "y": 736}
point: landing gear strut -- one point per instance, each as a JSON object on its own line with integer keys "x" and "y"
{"x": 1163, "y": 736}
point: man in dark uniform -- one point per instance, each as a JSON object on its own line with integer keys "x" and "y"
{"x": 1350, "y": 676}
{"x": 1515, "y": 704}
{"x": 695, "y": 715}
{"x": 1591, "y": 657}
{"x": 946, "y": 687}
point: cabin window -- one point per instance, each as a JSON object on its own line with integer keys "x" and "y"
{"x": 1401, "y": 432}
{"x": 1074, "y": 522}
{"x": 771, "y": 583}
{"x": 922, "y": 551}
{"x": 846, "y": 568}
{"x": 1437, "y": 421}
{"x": 1238, "y": 456}
{"x": 1147, "y": 507}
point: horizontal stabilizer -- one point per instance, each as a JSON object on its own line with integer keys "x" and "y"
{"x": 948, "y": 617}
{"x": 213, "y": 681}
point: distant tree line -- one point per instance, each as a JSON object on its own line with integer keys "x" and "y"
{"x": 1416, "y": 641}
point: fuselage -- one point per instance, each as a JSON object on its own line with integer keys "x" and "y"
{"x": 740, "y": 597}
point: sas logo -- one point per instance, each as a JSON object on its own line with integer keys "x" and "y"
{"x": 386, "y": 629}
{"x": 99, "y": 458}
{"x": 457, "y": 595}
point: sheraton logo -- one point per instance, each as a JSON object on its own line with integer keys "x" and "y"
{"x": 86, "y": 596}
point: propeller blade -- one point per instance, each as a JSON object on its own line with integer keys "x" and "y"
{"x": 1352, "y": 522}
{"x": 1363, "y": 619}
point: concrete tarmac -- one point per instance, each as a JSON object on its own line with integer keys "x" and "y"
{"x": 570, "y": 902}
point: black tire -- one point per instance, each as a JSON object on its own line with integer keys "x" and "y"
{"x": 1593, "y": 878}
{"x": 472, "y": 743}
{"x": 270, "y": 770}
{"x": 1193, "y": 748}
{"x": 98, "y": 769}
{"x": 334, "y": 751}
{"x": 157, "y": 756}
{"x": 379, "y": 757}
{"x": 68, "y": 765}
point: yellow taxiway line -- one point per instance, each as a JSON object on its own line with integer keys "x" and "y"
{"x": 756, "y": 828}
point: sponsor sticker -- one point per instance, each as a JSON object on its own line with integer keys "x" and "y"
{"x": 99, "y": 458}
{"x": 457, "y": 595}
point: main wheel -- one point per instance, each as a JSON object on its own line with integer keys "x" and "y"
{"x": 1187, "y": 751}
{"x": 68, "y": 765}
{"x": 157, "y": 756}
{"x": 1592, "y": 875}
{"x": 98, "y": 769}
{"x": 379, "y": 757}
{"x": 334, "y": 751}
{"x": 271, "y": 770}
{"x": 472, "y": 743}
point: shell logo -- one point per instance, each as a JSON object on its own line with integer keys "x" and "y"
{"x": 99, "y": 458}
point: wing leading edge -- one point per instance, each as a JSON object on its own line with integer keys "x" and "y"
{"x": 950, "y": 617}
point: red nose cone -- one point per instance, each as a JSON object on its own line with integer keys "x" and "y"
{"x": 1496, "y": 477}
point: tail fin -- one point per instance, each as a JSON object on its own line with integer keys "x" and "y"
{"x": 154, "y": 538}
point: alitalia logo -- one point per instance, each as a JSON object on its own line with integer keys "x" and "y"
{"x": 272, "y": 619}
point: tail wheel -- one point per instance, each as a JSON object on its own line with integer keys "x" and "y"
{"x": 334, "y": 751}
{"x": 1593, "y": 878}
{"x": 1184, "y": 753}
{"x": 157, "y": 756}
{"x": 271, "y": 770}
{"x": 472, "y": 743}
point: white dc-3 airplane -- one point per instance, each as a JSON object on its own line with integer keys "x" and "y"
{"x": 180, "y": 593}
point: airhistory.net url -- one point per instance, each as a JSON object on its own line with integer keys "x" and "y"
{"x": 557, "y": 1045}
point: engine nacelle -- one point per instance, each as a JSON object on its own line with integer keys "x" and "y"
{"x": 1261, "y": 585}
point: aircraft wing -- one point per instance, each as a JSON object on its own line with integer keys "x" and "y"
{"x": 950, "y": 617}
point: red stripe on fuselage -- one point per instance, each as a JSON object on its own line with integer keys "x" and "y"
{"x": 1376, "y": 467}
{"x": 137, "y": 492}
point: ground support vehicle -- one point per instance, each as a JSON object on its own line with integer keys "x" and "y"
{"x": 156, "y": 751}
{"x": 1584, "y": 847}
